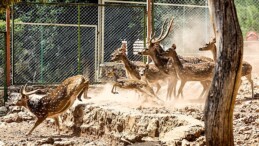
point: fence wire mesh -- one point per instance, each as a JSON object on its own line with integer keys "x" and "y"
{"x": 2, "y": 58}
{"x": 191, "y": 26}
{"x": 52, "y": 42}
{"x": 127, "y": 26}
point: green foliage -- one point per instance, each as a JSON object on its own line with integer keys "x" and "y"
{"x": 6, "y": 3}
{"x": 2, "y": 46}
{"x": 248, "y": 15}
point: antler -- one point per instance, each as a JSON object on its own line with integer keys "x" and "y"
{"x": 24, "y": 92}
{"x": 163, "y": 26}
{"x": 160, "y": 38}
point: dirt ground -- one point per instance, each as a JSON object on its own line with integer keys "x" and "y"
{"x": 246, "y": 118}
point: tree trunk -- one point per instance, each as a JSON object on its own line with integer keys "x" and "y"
{"x": 221, "y": 98}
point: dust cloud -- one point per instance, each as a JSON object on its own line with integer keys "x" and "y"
{"x": 101, "y": 95}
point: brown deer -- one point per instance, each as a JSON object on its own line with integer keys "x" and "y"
{"x": 154, "y": 50}
{"x": 138, "y": 85}
{"x": 191, "y": 72}
{"x": 56, "y": 101}
{"x": 246, "y": 67}
{"x": 131, "y": 68}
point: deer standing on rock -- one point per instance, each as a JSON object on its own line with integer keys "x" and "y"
{"x": 202, "y": 72}
{"x": 56, "y": 101}
{"x": 246, "y": 67}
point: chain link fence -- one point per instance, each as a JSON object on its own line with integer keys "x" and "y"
{"x": 2, "y": 57}
{"x": 3, "y": 89}
{"x": 191, "y": 26}
{"x": 52, "y": 42}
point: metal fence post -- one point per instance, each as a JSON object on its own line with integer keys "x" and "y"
{"x": 41, "y": 55}
{"x": 5, "y": 68}
{"x": 78, "y": 41}
{"x": 145, "y": 59}
{"x": 183, "y": 22}
{"x": 206, "y": 22}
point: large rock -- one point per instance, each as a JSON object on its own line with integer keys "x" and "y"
{"x": 131, "y": 125}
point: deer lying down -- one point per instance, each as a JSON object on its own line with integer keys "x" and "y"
{"x": 56, "y": 101}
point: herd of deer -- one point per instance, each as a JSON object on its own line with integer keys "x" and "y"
{"x": 168, "y": 67}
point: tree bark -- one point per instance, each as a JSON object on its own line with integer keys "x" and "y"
{"x": 221, "y": 98}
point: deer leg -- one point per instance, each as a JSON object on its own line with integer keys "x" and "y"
{"x": 144, "y": 94}
{"x": 114, "y": 89}
{"x": 180, "y": 90}
{"x": 249, "y": 78}
{"x": 205, "y": 86}
{"x": 39, "y": 120}
{"x": 57, "y": 124}
{"x": 84, "y": 90}
{"x": 171, "y": 88}
{"x": 158, "y": 87}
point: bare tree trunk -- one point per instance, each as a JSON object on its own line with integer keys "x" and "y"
{"x": 221, "y": 98}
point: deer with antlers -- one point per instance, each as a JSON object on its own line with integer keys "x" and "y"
{"x": 246, "y": 67}
{"x": 191, "y": 72}
{"x": 56, "y": 101}
{"x": 154, "y": 50}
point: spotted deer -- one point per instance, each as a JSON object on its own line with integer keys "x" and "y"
{"x": 54, "y": 102}
{"x": 154, "y": 50}
{"x": 138, "y": 85}
{"x": 132, "y": 69}
{"x": 191, "y": 72}
{"x": 246, "y": 67}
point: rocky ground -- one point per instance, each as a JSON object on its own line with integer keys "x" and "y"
{"x": 108, "y": 119}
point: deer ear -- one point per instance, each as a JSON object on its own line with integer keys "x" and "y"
{"x": 21, "y": 90}
{"x": 123, "y": 46}
{"x": 174, "y": 46}
{"x": 214, "y": 40}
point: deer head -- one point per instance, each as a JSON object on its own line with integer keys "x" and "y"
{"x": 25, "y": 96}
{"x": 210, "y": 46}
{"x": 142, "y": 70}
{"x": 119, "y": 53}
{"x": 170, "y": 52}
{"x": 154, "y": 43}
{"x": 145, "y": 52}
